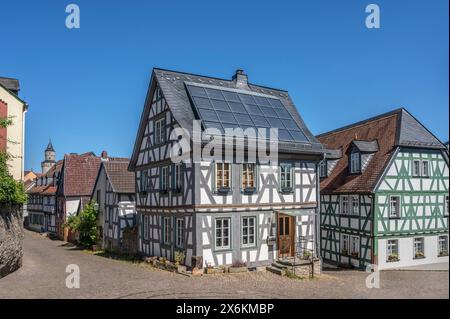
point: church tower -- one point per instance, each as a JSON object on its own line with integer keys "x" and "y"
{"x": 50, "y": 158}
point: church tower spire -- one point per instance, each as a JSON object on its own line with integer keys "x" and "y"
{"x": 49, "y": 158}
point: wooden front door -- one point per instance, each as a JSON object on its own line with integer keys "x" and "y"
{"x": 286, "y": 235}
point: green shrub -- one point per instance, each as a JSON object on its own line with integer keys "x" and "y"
{"x": 86, "y": 225}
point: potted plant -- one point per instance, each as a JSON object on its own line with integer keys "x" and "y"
{"x": 344, "y": 252}
{"x": 354, "y": 254}
{"x": 443, "y": 253}
{"x": 306, "y": 255}
{"x": 238, "y": 266}
{"x": 419, "y": 254}
{"x": 179, "y": 257}
{"x": 393, "y": 257}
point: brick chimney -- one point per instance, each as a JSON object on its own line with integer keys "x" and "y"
{"x": 240, "y": 79}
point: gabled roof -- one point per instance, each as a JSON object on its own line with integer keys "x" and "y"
{"x": 122, "y": 180}
{"x": 389, "y": 130}
{"x": 78, "y": 174}
{"x": 173, "y": 87}
{"x": 10, "y": 84}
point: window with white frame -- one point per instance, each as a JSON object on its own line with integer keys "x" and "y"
{"x": 392, "y": 250}
{"x": 344, "y": 205}
{"x": 177, "y": 178}
{"x": 222, "y": 231}
{"x": 143, "y": 181}
{"x": 248, "y": 176}
{"x": 416, "y": 168}
{"x": 419, "y": 247}
{"x": 355, "y": 164}
{"x": 286, "y": 177}
{"x": 160, "y": 130}
{"x": 164, "y": 179}
{"x": 355, "y": 205}
{"x": 166, "y": 228}
{"x": 443, "y": 245}
{"x": 425, "y": 169}
{"x": 394, "y": 207}
{"x": 354, "y": 246}
{"x": 145, "y": 227}
{"x": 323, "y": 169}
{"x": 223, "y": 175}
{"x": 345, "y": 242}
{"x": 180, "y": 233}
{"x": 446, "y": 206}
{"x": 248, "y": 230}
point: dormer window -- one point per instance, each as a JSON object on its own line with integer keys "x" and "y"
{"x": 355, "y": 162}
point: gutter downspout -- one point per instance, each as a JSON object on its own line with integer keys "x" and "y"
{"x": 317, "y": 217}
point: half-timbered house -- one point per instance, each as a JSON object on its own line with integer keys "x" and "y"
{"x": 218, "y": 211}
{"x": 114, "y": 193}
{"x": 384, "y": 194}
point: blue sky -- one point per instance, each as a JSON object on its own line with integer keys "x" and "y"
{"x": 86, "y": 87}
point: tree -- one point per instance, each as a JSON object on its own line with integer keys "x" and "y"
{"x": 11, "y": 191}
{"x": 86, "y": 225}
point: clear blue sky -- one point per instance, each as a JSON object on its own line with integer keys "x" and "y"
{"x": 86, "y": 87}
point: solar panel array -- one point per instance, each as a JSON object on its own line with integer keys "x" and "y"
{"x": 223, "y": 109}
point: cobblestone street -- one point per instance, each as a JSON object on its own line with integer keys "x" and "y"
{"x": 43, "y": 276}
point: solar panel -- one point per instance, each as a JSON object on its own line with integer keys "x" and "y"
{"x": 222, "y": 108}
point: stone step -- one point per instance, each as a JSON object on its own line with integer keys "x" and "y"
{"x": 276, "y": 270}
{"x": 279, "y": 265}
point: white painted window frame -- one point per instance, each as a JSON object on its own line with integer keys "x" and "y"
{"x": 283, "y": 176}
{"x": 166, "y": 227}
{"x": 422, "y": 168}
{"x": 164, "y": 178}
{"x": 323, "y": 169}
{"x": 399, "y": 207}
{"x": 416, "y": 173}
{"x": 222, "y": 247}
{"x": 230, "y": 173}
{"x": 347, "y": 206}
{"x": 248, "y": 227}
{"x": 355, "y": 162}
{"x": 354, "y": 245}
{"x": 390, "y": 243}
{"x": 345, "y": 244}
{"x": 446, "y": 206}
{"x": 442, "y": 245}
{"x": 353, "y": 199}
{"x": 180, "y": 231}
{"x": 420, "y": 241}
{"x": 160, "y": 130}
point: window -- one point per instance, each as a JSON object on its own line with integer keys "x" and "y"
{"x": 344, "y": 245}
{"x": 392, "y": 250}
{"x": 419, "y": 247}
{"x": 110, "y": 216}
{"x": 344, "y": 205}
{"x": 160, "y": 131}
{"x": 443, "y": 246}
{"x": 355, "y": 205}
{"x": 416, "y": 168}
{"x": 248, "y": 176}
{"x": 223, "y": 174}
{"x": 323, "y": 169}
{"x": 166, "y": 229}
{"x": 355, "y": 165}
{"x": 286, "y": 177}
{"x": 354, "y": 246}
{"x": 177, "y": 178}
{"x": 248, "y": 231}
{"x": 394, "y": 207}
{"x": 222, "y": 233}
{"x": 446, "y": 208}
{"x": 143, "y": 181}
{"x": 164, "y": 179}
{"x": 180, "y": 233}
{"x": 145, "y": 227}
{"x": 425, "y": 169}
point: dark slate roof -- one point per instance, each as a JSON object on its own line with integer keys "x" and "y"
{"x": 333, "y": 153}
{"x": 172, "y": 84}
{"x": 10, "y": 84}
{"x": 50, "y": 147}
{"x": 389, "y": 131}
{"x": 122, "y": 180}
{"x": 366, "y": 146}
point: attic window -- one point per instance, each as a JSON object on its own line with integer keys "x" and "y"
{"x": 323, "y": 169}
{"x": 355, "y": 162}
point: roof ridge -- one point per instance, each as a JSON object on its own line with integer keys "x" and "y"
{"x": 363, "y": 122}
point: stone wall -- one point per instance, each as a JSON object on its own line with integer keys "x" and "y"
{"x": 11, "y": 239}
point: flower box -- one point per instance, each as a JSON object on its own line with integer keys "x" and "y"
{"x": 393, "y": 258}
{"x": 238, "y": 269}
{"x": 211, "y": 271}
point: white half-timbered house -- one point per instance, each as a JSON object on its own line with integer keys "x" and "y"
{"x": 384, "y": 194}
{"x": 114, "y": 193}
{"x": 218, "y": 211}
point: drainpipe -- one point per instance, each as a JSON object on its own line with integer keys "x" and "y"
{"x": 317, "y": 218}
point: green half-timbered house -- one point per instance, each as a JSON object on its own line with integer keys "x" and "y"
{"x": 384, "y": 194}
